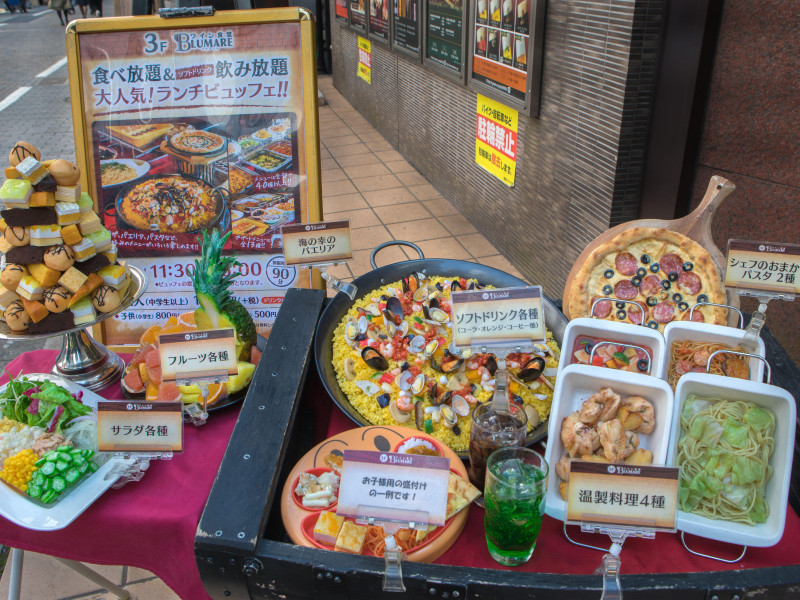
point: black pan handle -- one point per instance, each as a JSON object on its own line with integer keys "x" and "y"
{"x": 393, "y": 243}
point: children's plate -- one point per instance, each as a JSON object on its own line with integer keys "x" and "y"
{"x": 776, "y": 493}
{"x": 25, "y": 512}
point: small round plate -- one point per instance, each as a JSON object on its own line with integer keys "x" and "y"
{"x": 140, "y": 166}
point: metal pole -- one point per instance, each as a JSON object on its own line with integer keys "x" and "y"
{"x": 94, "y": 577}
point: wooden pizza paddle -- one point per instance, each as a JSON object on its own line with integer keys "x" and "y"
{"x": 696, "y": 225}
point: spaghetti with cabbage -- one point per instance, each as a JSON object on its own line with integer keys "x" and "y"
{"x": 723, "y": 455}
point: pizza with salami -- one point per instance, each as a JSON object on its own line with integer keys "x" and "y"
{"x": 663, "y": 272}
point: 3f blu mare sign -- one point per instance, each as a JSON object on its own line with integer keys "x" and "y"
{"x": 496, "y": 139}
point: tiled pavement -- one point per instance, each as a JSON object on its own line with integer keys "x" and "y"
{"x": 366, "y": 180}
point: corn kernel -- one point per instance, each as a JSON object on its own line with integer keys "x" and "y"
{"x": 18, "y": 469}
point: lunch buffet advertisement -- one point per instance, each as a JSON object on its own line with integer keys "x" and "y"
{"x": 191, "y": 129}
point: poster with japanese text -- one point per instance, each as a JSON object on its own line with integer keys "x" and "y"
{"x": 496, "y": 139}
{"x": 405, "y": 33}
{"x": 196, "y": 128}
{"x": 364, "y": 68}
{"x": 444, "y": 40}
{"x": 379, "y": 19}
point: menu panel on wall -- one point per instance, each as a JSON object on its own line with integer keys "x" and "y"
{"x": 341, "y": 11}
{"x": 358, "y": 14}
{"x": 379, "y": 19}
{"x": 405, "y": 33}
{"x": 505, "y": 59}
{"x": 444, "y": 34}
{"x": 189, "y": 127}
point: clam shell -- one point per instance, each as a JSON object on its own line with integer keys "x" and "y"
{"x": 460, "y": 405}
{"x": 363, "y": 324}
{"x": 404, "y": 380}
{"x": 431, "y": 347}
{"x": 351, "y": 330}
{"x": 417, "y": 343}
{"x": 349, "y": 368}
{"x": 418, "y": 384}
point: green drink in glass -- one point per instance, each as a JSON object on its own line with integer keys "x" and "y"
{"x": 514, "y": 495}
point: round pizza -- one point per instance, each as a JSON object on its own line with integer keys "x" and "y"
{"x": 652, "y": 270}
{"x": 192, "y": 141}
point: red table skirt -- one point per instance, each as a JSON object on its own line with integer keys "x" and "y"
{"x": 148, "y": 524}
{"x": 554, "y": 554}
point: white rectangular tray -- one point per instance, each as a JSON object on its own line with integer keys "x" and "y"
{"x": 782, "y": 404}
{"x": 622, "y": 333}
{"x": 19, "y": 509}
{"x": 678, "y": 331}
{"x": 574, "y": 385}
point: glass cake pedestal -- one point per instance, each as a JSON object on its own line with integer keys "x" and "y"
{"x": 83, "y": 359}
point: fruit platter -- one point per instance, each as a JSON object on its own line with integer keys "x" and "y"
{"x": 48, "y": 435}
{"x": 218, "y": 310}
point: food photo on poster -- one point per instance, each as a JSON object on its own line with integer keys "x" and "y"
{"x": 379, "y": 19}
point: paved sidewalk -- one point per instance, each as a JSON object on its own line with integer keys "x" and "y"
{"x": 366, "y": 180}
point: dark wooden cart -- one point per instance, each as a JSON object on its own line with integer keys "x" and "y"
{"x": 242, "y": 550}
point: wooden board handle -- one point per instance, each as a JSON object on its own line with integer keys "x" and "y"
{"x": 697, "y": 224}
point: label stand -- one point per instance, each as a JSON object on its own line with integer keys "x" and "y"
{"x": 391, "y": 522}
{"x": 124, "y": 474}
{"x": 332, "y": 282}
{"x": 197, "y": 414}
{"x": 753, "y": 330}
{"x": 611, "y": 564}
{"x": 501, "y": 376}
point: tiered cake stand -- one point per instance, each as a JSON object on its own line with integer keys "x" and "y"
{"x": 83, "y": 359}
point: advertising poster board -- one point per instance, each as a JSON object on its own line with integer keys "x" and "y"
{"x": 358, "y": 15}
{"x": 188, "y": 124}
{"x": 405, "y": 26}
{"x": 496, "y": 139}
{"x": 505, "y": 53}
{"x": 364, "y": 69}
{"x": 445, "y": 36}
{"x": 341, "y": 11}
{"x": 379, "y": 20}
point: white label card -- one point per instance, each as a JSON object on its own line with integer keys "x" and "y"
{"x": 622, "y": 494}
{"x": 505, "y": 315}
{"x": 198, "y": 355}
{"x": 317, "y": 242}
{"x": 139, "y": 426}
{"x": 387, "y": 484}
{"x": 763, "y": 266}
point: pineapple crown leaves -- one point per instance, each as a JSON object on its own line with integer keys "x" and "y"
{"x": 211, "y": 268}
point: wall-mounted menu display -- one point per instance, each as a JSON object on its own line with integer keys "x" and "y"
{"x": 358, "y": 14}
{"x": 341, "y": 11}
{"x": 506, "y": 51}
{"x": 379, "y": 19}
{"x": 445, "y": 35}
{"x": 405, "y": 26}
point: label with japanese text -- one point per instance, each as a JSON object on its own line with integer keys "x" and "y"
{"x": 317, "y": 243}
{"x": 198, "y": 355}
{"x": 127, "y": 426}
{"x": 766, "y": 266}
{"x": 385, "y": 485}
{"x": 364, "y": 70}
{"x": 622, "y": 494}
{"x": 496, "y": 139}
{"x": 194, "y": 128}
{"x": 504, "y": 316}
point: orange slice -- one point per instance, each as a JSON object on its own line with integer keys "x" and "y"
{"x": 151, "y": 392}
{"x": 187, "y": 320}
{"x": 150, "y": 336}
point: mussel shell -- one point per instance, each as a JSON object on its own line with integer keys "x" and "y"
{"x": 383, "y": 400}
{"x": 455, "y": 286}
{"x": 444, "y": 398}
{"x": 450, "y": 363}
{"x": 532, "y": 370}
{"x": 394, "y": 306}
{"x": 374, "y": 359}
{"x": 491, "y": 365}
{"x": 412, "y": 282}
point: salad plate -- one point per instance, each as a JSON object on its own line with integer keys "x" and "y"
{"x": 31, "y": 514}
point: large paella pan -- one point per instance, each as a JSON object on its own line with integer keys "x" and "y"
{"x": 386, "y": 282}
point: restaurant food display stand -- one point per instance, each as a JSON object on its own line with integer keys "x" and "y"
{"x": 242, "y": 550}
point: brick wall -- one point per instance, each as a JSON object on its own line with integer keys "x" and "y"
{"x": 579, "y": 164}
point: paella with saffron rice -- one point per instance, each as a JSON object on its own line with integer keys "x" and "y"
{"x": 394, "y": 359}
{"x": 170, "y": 204}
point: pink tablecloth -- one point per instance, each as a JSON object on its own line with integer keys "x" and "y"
{"x": 148, "y": 524}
